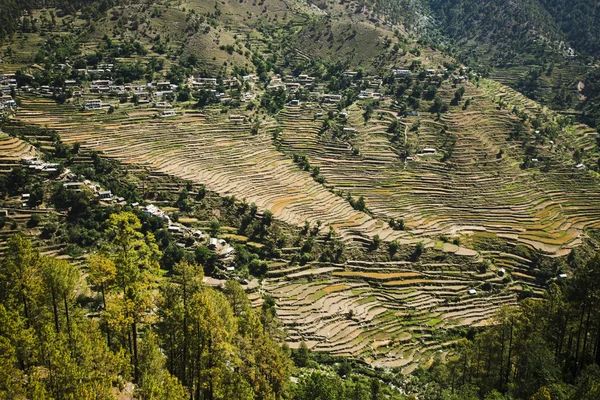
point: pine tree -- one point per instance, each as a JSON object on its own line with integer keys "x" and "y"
{"x": 136, "y": 259}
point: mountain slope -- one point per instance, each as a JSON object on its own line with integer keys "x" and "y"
{"x": 579, "y": 20}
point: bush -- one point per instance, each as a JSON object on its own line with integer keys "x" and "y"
{"x": 419, "y": 248}
{"x": 34, "y": 220}
{"x": 393, "y": 247}
{"x": 73, "y": 250}
{"x": 376, "y": 242}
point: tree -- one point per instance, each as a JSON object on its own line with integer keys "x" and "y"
{"x": 361, "y": 204}
{"x": 102, "y": 273}
{"x": 155, "y": 381}
{"x": 319, "y": 386}
{"x": 542, "y": 394}
{"x": 393, "y": 247}
{"x": 213, "y": 329}
{"x": 10, "y": 375}
{"x": 20, "y": 280}
{"x": 214, "y": 228}
{"x": 237, "y": 297}
{"x": 438, "y": 105}
{"x": 36, "y": 196}
{"x": 302, "y": 356}
{"x": 59, "y": 279}
{"x": 588, "y": 384}
{"x": 267, "y": 218}
{"x": 368, "y": 112}
{"x": 376, "y": 242}
{"x": 136, "y": 258}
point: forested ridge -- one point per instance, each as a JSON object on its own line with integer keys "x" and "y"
{"x": 13, "y": 13}
{"x": 513, "y": 26}
{"x": 579, "y": 20}
{"x": 510, "y": 28}
{"x": 176, "y": 338}
{"x": 216, "y": 346}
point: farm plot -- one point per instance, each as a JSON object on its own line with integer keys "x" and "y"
{"x": 473, "y": 183}
{"x": 223, "y": 155}
{"x": 388, "y": 315}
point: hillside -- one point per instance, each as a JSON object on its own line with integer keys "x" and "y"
{"x": 579, "y": 21}
{"x": 544, "y": 49}
{"x": 381, "y": 180}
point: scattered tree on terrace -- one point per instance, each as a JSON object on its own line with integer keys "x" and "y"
{"x": 273, "y": 100}
{"x": 368, "y": 112}
{"x": 393, "y": 247}
{"x": 214, "y": 228}
{"x": 438, "y": 105}
{"x": 361, "y": 205}
{"x": 396, "y": 224}
{"x": 458, "y": 95}
{"x": 394, "y": 126}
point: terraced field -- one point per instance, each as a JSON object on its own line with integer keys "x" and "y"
{"x": 12, "y": 150}
{"x": 476, "y": 189}
{"x": 393, "y": 314}
{"x": 204, "y": 149}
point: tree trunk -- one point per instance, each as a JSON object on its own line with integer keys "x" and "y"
{"x": 210, "y": 365}
{"x": 185, "y": 333}
{"x": 488, "y": 365}
{"x": 198, "y": 362}
{"x": 464, "y": 374}
{"x": 508, "y": 366}
{"x": 597, "y": 346}
{"x": 502, "y": 359}
{"x": 562, "y": 336}
{"x": 102, "y": 288}
{"x": 136, "y": 372}
{"x": 55, "y": 311}
{"x": 585, "y": 339}
{"x": 67, "y": 315}
{"x": 478, "y": 360}
{"x": 579, "y": 338}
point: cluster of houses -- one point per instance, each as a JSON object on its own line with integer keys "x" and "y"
{"x": 368, "y": 94}
{"x": 291, "y": 83}
{"x": 7, "y": 84}
{"x": 219, "y": 246}
{"x": 7, "y": 81}
{"x": 35, "y": 164}
{"x": 145, "y": 93}
{"x": 7, "y": 103}
{"x": 103, "y": 195}
{"x": 223, "y": 89}
{"x": 213, "y": 86}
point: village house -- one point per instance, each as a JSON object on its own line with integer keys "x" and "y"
{"x": 105, "y": 195}
{"x": 75, "y": 186}
{"x": 162, "y": 104}
{"x": 204, "y": 82}
{"x": 401, "y": 72}
{"x": 237, "y": 118}
{"x": 332, "y": 98}
{"x": 168, "y": 113}
{"x": 292, "y": 87}
{"x": 94, "y": 104}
